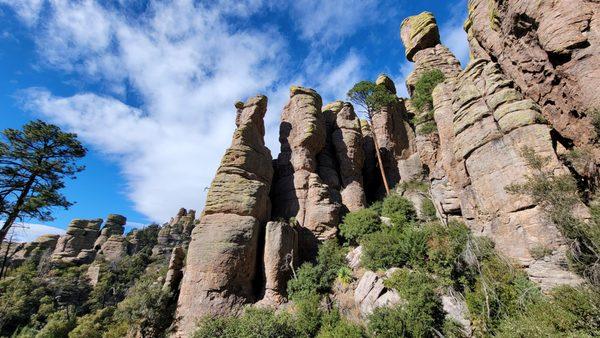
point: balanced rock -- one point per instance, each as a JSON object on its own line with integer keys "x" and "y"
{"x": 114, "y": 225}
{"x": 419, "y": 32}
{"x": 78, "y": 243}
{"x": 222, "y": 256}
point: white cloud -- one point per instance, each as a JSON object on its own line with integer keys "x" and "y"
{"x": 27, "y": 232}
{"x": 188, "y": 67}
{"x": 327, "y": 22}
{"x": 27, "y": 10}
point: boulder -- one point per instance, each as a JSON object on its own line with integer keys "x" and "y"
{"x": 222, "y": 255}
{"x": 114, "y": 225}
{"x": 419, "y": 32}
{"x": 41, "y": 244}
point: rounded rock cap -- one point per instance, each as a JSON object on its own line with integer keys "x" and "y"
{"x": 387, "y": 82}
{"x": 419, "y": 32}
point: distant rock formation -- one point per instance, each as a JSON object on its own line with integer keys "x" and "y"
{"x": 77, "y": 246}
{"x": 221, "y": 261}
{"x": 175, "y": 233}
{"x": 175, "y": 271}
{"x": 114, "y": 225}
{"x": 41, "y": 244}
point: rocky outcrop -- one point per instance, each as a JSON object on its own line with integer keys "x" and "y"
{"x": 346, "y": 139}
{"x": 370, "y": 293}
{"x": 551, "y": 50}
{"x": 113, "y": 249}
{"x": 114, "y": 225}
{"x": 222, "y": 256}
{"x": 41, "y": 244}
{"x": 175, "y": 271}
{"x": 176, "y": 232}
{"x": 492, "y": 124}
{"x": 77, "y": 246}
{"x": 280, "y": 257}
{"x": 299, "y": 191}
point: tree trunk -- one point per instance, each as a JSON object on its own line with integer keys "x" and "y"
{"x": 14, "y": 213}
{"x": 381, "y": 169}
{"x": 5, "y": 259}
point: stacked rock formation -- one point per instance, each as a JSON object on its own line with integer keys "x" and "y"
{"x": 484, "y": 123}
{"x": 222, "y": 257}
{"x": 299, "y": 191}
{"x": 41, "y": 244}
{"x": 114, "y": 225}
{"x": 177, "y": 232}
{"x": 77, "y": 246}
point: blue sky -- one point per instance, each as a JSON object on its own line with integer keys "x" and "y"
{"x": 149, "y": 86}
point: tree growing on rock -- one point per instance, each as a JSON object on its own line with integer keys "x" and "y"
{"x": 372, "y": 98}
{"x": 34, "y": 163}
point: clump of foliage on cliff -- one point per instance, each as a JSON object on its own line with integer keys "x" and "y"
{"x": 422, "y": 100}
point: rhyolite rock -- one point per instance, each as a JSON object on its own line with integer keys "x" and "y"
{"x": 551, "y": 50}
{"x": 279, "y": 258}
{"x": 174, "y": 233}
{"x": 175, "y": 270}
{"x": 114, "y": 225}
{"x": 113, "y": 249}
{"x": 299, "y": 191}
{"x": 44, "y": 243}
{"x": 77, "y": 245}
{"x": 222, "y": 257}
{"x": 419, "y": 32}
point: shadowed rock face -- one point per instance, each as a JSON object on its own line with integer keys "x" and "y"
{"x": 114, "y": 226}
{"x": 77, "y": 246}
{"x": 280, "y": 256}
{"x": 299, "y": 191}
{"x": 221, "y": 261}
{"x": 551, "y": 50}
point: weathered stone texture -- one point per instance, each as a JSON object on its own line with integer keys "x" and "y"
{"x": 174, "y": 233}
{"x": 175, "y": 271}
{"x": 222, "y": 256}
{"x": 41, "y": 244}
{"x": 299, "y": 191}
{"x": 419, "y": 32}
{"x": 114, "y": 225}
{"x": 78, "y": 243}
{"x": 551, "y": 50}
{"x": 280, "y": 257}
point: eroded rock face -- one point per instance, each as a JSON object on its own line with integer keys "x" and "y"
{"x": 551, "y": 50}
{"x": 174, "y": 233}
{"x": 113, "y": 249}
{"x": 175, "y": 272}
{"x": 492, "y": 124}
{"x": 41, "y": 244}
{"x": 299, "y": 191}
{"x": 114, "y": 225}
{"x": 77, "y": 246}
{"x": 222, "y": 256}
{"x": 280, "y": 257}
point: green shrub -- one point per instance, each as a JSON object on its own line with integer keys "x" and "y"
{"x": 423, "y": 309}
{"x": 421, "y": 98}
{"x": 58, "y": 325}
{"x": 359, "y": 223}
{"x": 345, "y": 275}
{"x": 540, "y": 251}
{"x": 399, "y": 209}
{"x": 428, "y": 211}
{"x": 253, "y": 323}
{"x": 93, "y": 325}
{"x": 317, "y": 278}
{"x": 453, "y": 329}
{"x": 395, "y": 248}
{"x": 568, "y": 312}
{"x": 335, "y": 326}
{"x": 307, "y": 319}
{"x": 377, "y": 206}
{"x": 445, "y": 247}
{"x": 427, "y": 127}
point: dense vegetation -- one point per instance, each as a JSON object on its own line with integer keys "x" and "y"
{"x": 43, "y": 299}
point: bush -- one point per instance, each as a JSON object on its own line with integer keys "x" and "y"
{"x": 569, "y": 311}
{"x": 399, "y": 209}
{"x": 377, "y": 206}
{"x": 445, "y": 246}
{"x": 311, "y": 278}
{"x": 421, "y": 98}
{"x": 423, "y": 310}
{"x": 307, "y": 320}
{"x": 59, "y": 324}
{"x": 395, "y": 248}
{"x": 93, "y": 325}
{"x": 428, "y": 211}
{"x": 335, "y": 326}
{"x": 359, "y": 223}
{"x": 253, "y": 323}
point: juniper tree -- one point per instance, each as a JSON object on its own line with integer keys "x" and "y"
{"x": 372, "y": 98}
{"x": 34, "y": 163}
